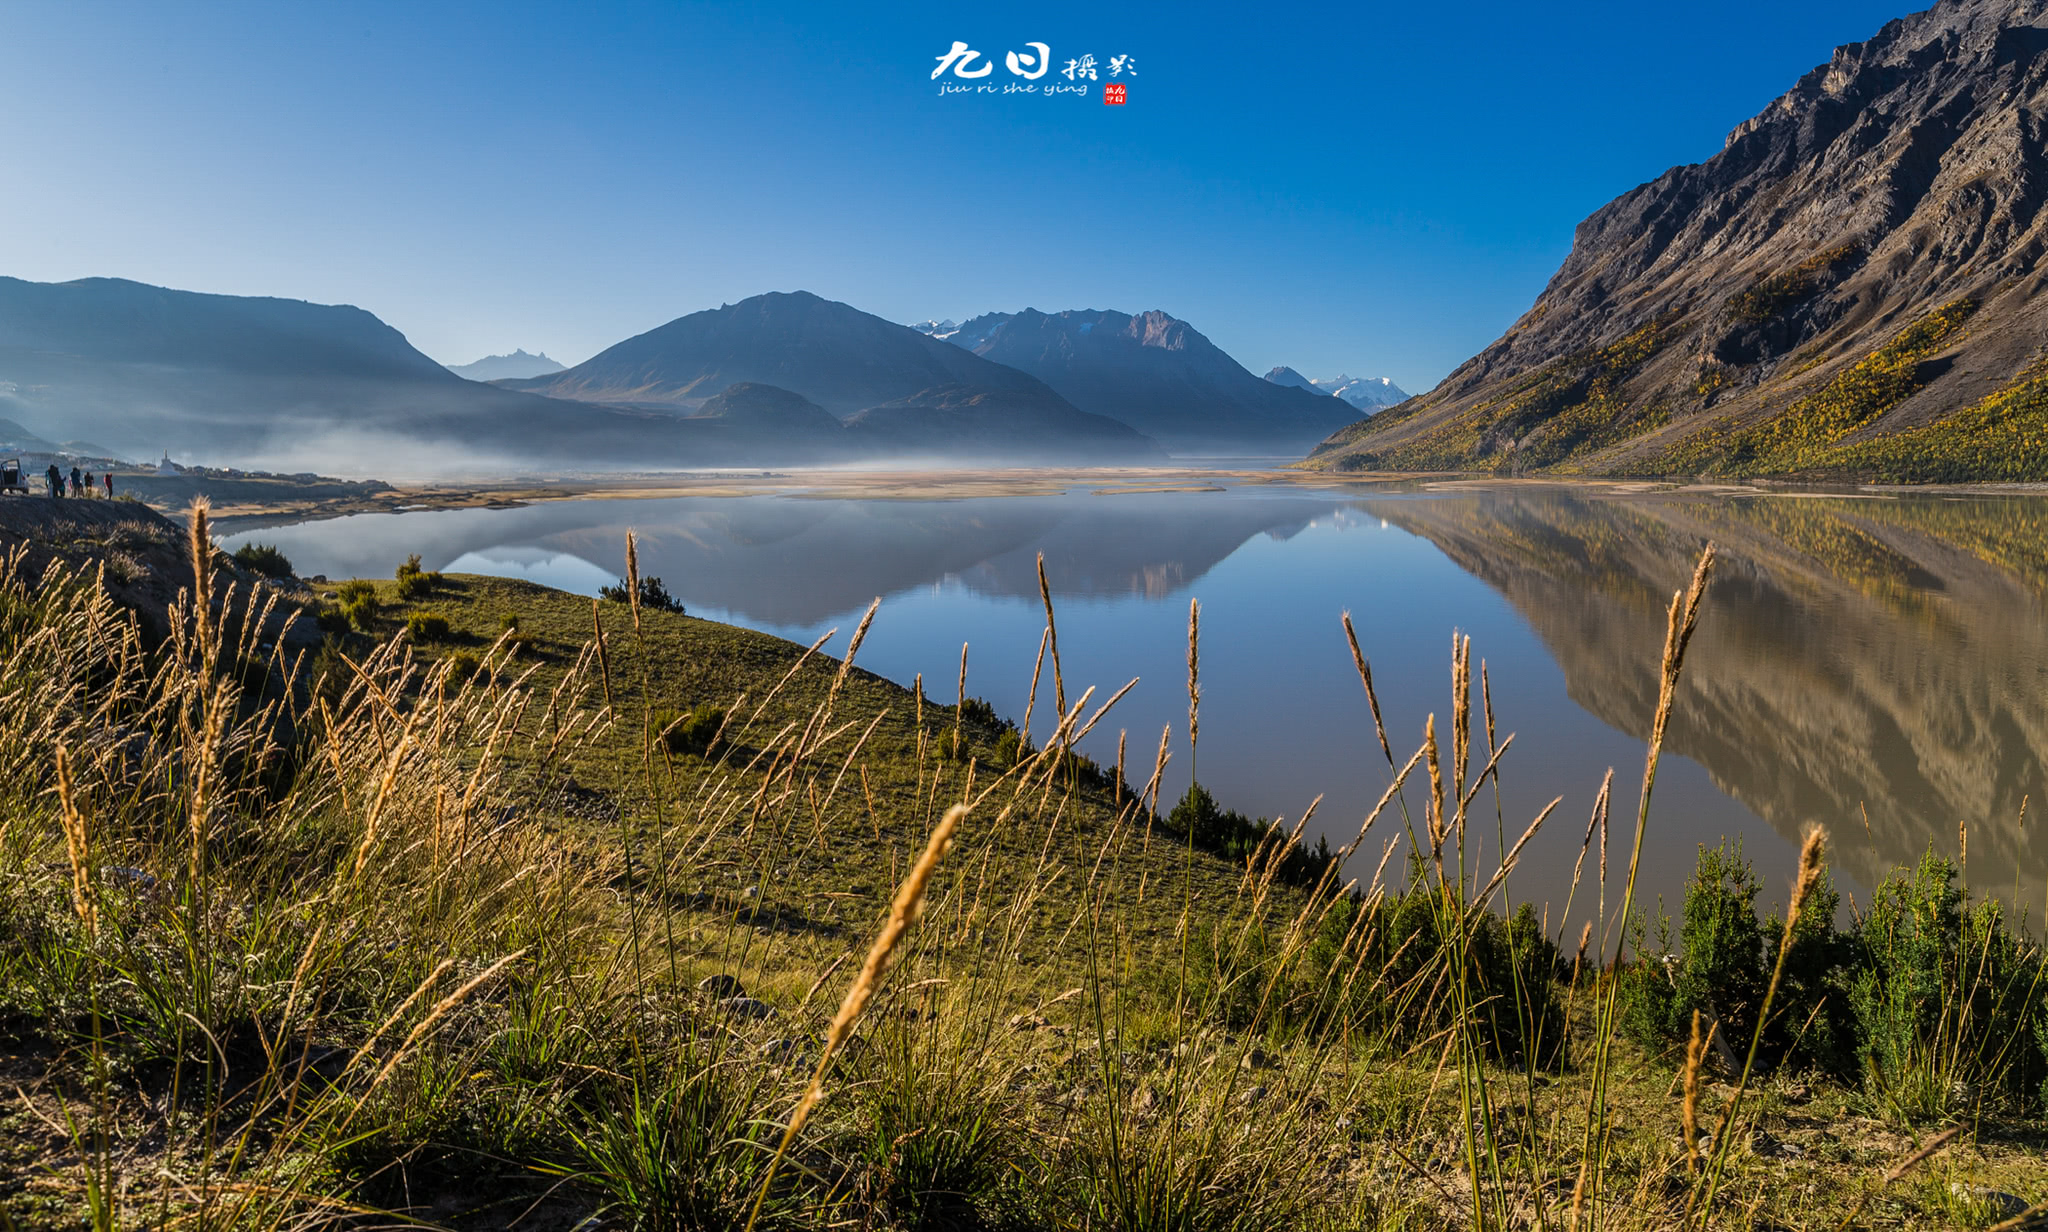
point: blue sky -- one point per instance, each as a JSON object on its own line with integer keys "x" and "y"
{"x": 1376, "y": 188}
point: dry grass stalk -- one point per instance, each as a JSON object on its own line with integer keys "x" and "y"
{"x": 77, "y": 846}
{"x": 633, "y": 578}
{"x": 960, "y": 702}
{"x": 201, "y": 545}
{"x": 441, "y": 1010}
{"x": 908, "y": 905}
{"x": 1052, "y": 639}
{"x": 1695, "y": 1061}
{"x": 1031, "y": 699}
{"x": 1194, "y": 674}
{"x": 1372, "y": 698}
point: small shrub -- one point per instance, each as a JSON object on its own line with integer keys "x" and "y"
{"x": 360, "y": 612}
{"x": 263, "y": 558}
{"x": 652, "y": 595}
{"x": 356, "y": 588}
{"x": 415, "y": 583}
{"x": 693, "y": 731}
{"x": 426, "y": 626}
{"x": 1945, "y": 997}
{"x": 463, "y": 665}
{"x": 332, "y": 618}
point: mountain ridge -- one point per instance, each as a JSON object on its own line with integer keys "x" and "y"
{"x": 1155, "y": 372}
{"x": 1849, "y": 288}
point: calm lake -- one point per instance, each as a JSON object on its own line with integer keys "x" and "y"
{"x": 1886, "y": 655}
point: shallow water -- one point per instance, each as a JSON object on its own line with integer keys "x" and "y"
{"x": 1886, "y": 656}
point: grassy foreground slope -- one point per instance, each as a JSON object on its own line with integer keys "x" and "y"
{"x": 603, "y": 916}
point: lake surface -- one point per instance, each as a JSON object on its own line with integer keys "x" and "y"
{"x": 1886, "y": 656}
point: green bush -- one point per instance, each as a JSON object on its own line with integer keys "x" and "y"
{"x": 355, "y": 589}
{"x": 263, "y": 558}
{"x": 426, "y": 626}
{"x": 332, "y": 618}
{"x": 692, "y": 731}
{"x": 652, "y": 595}
{"x": 1945, "y": 998}
{"x": 415, "y": 583}
{"x": 360, "y": 612}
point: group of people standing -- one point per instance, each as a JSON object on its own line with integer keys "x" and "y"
{"x": 81, "y": 482}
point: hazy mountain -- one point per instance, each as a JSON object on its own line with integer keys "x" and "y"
{"x": 1015, "y": 425}
{"x": 291, "y": 385}
{"x": 1155, "y": 373}
{"x": 515, "y": 366}
{"x": 839, "y": 357}
{"x": 1289, "y": 377}
{"x": 1367, "y": 393}
{"x": 1837, "y": 291}
{"x": 936, "y": 329}
{"x": 259, "y": 380}
{"x": 765, "y": 406}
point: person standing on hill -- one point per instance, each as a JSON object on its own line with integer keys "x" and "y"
{"x": 74, "y": 481}
{"x": 88, "y": 485}
{"x": 56, "y": 482}
{"x": 108, "y": 476}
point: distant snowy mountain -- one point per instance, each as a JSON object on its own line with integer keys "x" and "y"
{"x": 937, "y": 329}
{"x": 516, "y": 366}
{"x": 1367, "y": 393}
{"x": 1284, "y": 375}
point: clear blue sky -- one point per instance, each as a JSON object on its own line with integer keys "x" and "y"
{"x": 1378, "y": 188}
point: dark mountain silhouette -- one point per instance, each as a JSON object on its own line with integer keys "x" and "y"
{"x": 1837, "y": 292}
{"x": 1157, "y": 374}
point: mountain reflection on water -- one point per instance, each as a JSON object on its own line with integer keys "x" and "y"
{"x": 1887, "y": 655}
{"x": 1879, "y": 654}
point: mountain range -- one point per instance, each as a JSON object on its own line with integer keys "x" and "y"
{"x": 1849, "y": 288}
{"x": 288, "y": 383}
{"x": 1156, "y": 373}
{"x": 500, "y": 367}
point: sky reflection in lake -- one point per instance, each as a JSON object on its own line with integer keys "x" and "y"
{"x": 1887, "y": 654}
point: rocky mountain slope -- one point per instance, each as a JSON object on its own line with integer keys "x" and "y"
{"x": 1849, "y": 288}
{"x": 1155, "y": 373}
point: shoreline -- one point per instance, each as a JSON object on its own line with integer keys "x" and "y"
{"x": 242, "y": 512}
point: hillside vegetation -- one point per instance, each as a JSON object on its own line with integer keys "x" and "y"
{"x": 508, "y": 908}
